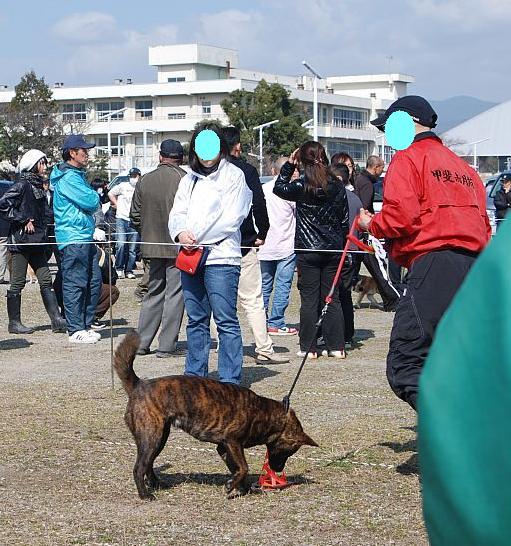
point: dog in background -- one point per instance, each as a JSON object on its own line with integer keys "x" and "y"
{"x": 224, "y": 414}
{"x": 366, "y": 286}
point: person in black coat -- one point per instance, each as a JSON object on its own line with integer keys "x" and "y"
{"x": 364, "y": 182}
{"x": 24, "y": 205}
{"x": 322, "y": 223}
{"x": 502, "y": 199}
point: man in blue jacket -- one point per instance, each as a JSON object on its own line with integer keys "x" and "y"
{"x": 74, "y": 204}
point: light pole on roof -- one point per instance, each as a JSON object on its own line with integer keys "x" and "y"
{"x": 315, "y": 97}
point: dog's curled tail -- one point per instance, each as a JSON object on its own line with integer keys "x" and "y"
{"x": 123, "y": 361}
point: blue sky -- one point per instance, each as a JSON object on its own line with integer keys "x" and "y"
{"x": 452, "y": 47}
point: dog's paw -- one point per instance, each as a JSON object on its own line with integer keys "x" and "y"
{"x": 235, "y": 493}
{"x": 148, "y": 497}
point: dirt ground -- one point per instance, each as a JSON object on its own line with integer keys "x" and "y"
{"x": 66, "y": 456}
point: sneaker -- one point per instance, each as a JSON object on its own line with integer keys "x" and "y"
{"x": 82, "y": 336}
{"x": 285, "y": 331}
{"x": 94, "y": 335}
{"x": 120, "y": 274}
{"x": 270, "y": 359}
{"x": 170, "y": 354}
{"x": 348, "y": 344}
{"x": 96, "y": 325}
{"x": 312, "y": 356}
{"x": 334, "y": 354}
{"x": 130, "y": 275}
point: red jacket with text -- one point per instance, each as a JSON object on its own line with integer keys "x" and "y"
{"x": 432, "y": 201}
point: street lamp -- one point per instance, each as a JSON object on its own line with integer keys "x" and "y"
{"x": 307, "y": 124}
{"x": 108, "y": 117}
{"x": 315, "y": 99}
{"x": 123, "y": 148}
{"x": 144, "y": 143}
{"x": 475, "y": 149}
{"x": 260, "y": 128}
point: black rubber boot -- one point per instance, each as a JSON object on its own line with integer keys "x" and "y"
{"x": 14, "y": 314}
{"x": 58, "y": 324}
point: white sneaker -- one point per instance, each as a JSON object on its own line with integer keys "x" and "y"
{"x": 82, "y": 336}
{"x": 94, "y": 335}
{"x": 334, "y": 354}
{"x": 120, "y": 274}
{"x": 311, "y": 356}
{"x": 130, "y": 275}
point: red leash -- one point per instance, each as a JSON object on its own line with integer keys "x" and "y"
{"x": 269, "y": 479}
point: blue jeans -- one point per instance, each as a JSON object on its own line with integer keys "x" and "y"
{"x": 126, "y": 246}
{"x": 81, "y": 285}
{"x": 214, "y": 289}
{"x": 277, "y": 276}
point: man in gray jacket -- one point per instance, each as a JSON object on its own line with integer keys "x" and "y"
{"x": 152, "y": 201}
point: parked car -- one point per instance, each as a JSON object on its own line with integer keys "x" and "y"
{"x": 378, "y": 194}
{"x": 490, "y": 205}
{"x": 489, "y": 183}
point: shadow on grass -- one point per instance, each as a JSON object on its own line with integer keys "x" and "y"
{"x": 411, "y": 466}
{"x": 169, "y": 481}
{"x": 17, "y": 343}
{"x": 250, "y": 375}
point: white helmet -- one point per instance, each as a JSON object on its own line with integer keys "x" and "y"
{"x": 29, "y": 159}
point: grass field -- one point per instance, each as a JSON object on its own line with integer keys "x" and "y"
{"x": 66, "y": 456}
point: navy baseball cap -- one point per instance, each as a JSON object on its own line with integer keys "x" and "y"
{"x": 135, "y": 171}
{"x": 418, "y": 107}
{"x": 73, "y": 142}
{"x": 171, "y": 148}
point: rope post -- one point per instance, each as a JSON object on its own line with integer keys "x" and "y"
{"x": 110, "y": 301}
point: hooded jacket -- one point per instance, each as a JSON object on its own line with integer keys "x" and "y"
{"x": 213, "y": 208}
{"x": 74, "y": 204}
{"x": 322, "y": 219}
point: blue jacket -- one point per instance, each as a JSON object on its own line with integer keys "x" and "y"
{"x": 74, "y": 204}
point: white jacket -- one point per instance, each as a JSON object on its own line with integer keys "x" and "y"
{"x": 213, "y": 211}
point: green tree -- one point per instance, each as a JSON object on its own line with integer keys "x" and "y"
{"x": 247, "y": 110}
{"x": 30, "y": 120}
{"x": 97, "y": 168}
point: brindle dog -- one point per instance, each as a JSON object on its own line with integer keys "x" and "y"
{"x": 229, "y": 416}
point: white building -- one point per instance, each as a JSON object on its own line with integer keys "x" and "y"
{"x": 486, "y": 135}
{"x": 192, "y": 80}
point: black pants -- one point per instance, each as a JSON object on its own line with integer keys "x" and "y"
{"x": 317, "y": 272}
{"x": 347, "y": 275}
{"x": 388, "y": 294}
{"x": 36, "y": 257}
{"x": 432, "y": 283}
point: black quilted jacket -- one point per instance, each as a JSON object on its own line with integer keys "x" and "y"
{"x": 322, "y": 220}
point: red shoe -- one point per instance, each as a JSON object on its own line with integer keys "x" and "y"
{"x": 286, "y": 331}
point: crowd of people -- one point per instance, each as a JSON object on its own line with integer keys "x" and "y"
{"x": 255, "y": 237}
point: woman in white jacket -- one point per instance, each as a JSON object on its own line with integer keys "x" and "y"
{"x": 211, "y": 203}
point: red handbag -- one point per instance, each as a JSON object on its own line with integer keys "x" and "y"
{"x": 192, "y": 260}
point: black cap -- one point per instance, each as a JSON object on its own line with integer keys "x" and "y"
{"x": 418, "y": 107}
{"x": 505, "y": 178}
{"x": 171, "y": 148}
{"x": 73, "y": 142}
{"x": 135, "y": 171}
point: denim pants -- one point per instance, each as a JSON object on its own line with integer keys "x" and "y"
{"x": 126, "y": 246}
{"x": 215, "y": 290}
{"x": 81, "y": 285}
{"x": 277, "y": 276}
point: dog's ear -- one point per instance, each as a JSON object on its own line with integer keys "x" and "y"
{"x": 308, "y": 441}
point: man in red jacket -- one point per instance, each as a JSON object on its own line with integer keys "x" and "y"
{"x": 434, "y": 214}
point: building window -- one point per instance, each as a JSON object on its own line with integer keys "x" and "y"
{"x": 139, "y": 147}
{"x": 143, "y": 109}
{"x": 176, "y": 79}
{"x": 324, "y": 118}
{"x": 349, "y": 119}
{"x": 74, "y": 112}
{"x": 102, "y": 145}
{"x": 387, "y": 154}
{"x": 178, "y": 115}
{"x": 103, "y": 108}
{"x": 357, "y": 150}
{"x": 206, "y": 108}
